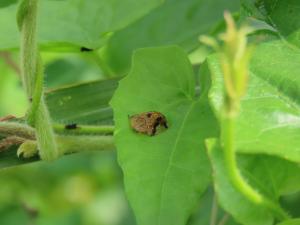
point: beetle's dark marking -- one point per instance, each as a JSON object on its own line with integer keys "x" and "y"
{"x": 84, "y": 49}
{"x": 156, "y": 124}
{"x": 165, "y": 124}
{"x": 71, "y": 126}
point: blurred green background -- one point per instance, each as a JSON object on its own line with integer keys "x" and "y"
{"x": 76, "y": 189}
{"x": 87, "y": 188}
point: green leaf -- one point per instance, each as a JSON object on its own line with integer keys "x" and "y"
{"x": 203, "y": 214}
{"x": 174, "y": 22}
{"x": 291, "y": 202}
{"x": 282, "y": 15}
{"x": 274, "y": 176}
{"x": 11, "y": 92}
{"x": 269, "y": 120}
{"x": 70, "y": 69}
{"x": 72, "y": 24}
{"x": 271, "y": 176}
{"x": 252, "y": 7}
{"x": 290, "y": 222}
{"x": 84, "y": 103}
{"x": 229, "y": 198}
{"x": 5, "y": 3}
{"x": 170, "y": 170}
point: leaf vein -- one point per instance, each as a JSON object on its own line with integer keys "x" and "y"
{"x": 170, "y": 162}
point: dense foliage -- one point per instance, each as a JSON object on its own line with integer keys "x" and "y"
{"x": 107, "y": 60}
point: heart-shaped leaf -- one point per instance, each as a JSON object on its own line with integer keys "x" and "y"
{"x": 165, "y": 174}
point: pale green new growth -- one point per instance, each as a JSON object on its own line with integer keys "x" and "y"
{"x": 28, "y": 149}
{"x": 235, "y": 56}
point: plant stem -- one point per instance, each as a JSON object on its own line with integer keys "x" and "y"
{"x": 84, "y": 129}
{"x": 10, "y": 62}
{"x": 102, "y": 65}
{"x": 44, "y": 134}
{"x": 16, "y": 129}
{"x": 37, "y": 93}
{"x": 9, "y": 141}
{"x": 32, "y": 73}
{"x": 27, "y": 15}
{"x": 228, "y": 128}
{"x": 71, "y": 144}
{"x": 228, "y": 133}
{"x": 27, "y": 132}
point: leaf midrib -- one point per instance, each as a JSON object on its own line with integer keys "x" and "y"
{"x": 171, "y": 158}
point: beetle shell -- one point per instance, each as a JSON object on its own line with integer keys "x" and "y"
{"x": 148, "y": 122}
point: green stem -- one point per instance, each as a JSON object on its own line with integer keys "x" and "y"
{"x": 16, "y": 129}
{"x": 27, "y": 132}
{"x": 27, "y": 15}
{"x": 71, "y": 144}
{"x": 37, "y": 93}
{"x": 107, "y": 72}
{"x": 230, "y": 158}
{"x": 5, "y": 143}
{"x": 32, "y": 73}
{"x": 228, "y": 133}
{"x": 84, "y": 129}
{"x": 44, "y": 134}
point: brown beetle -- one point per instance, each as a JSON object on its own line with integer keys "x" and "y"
{"x": 148, "y": 122}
